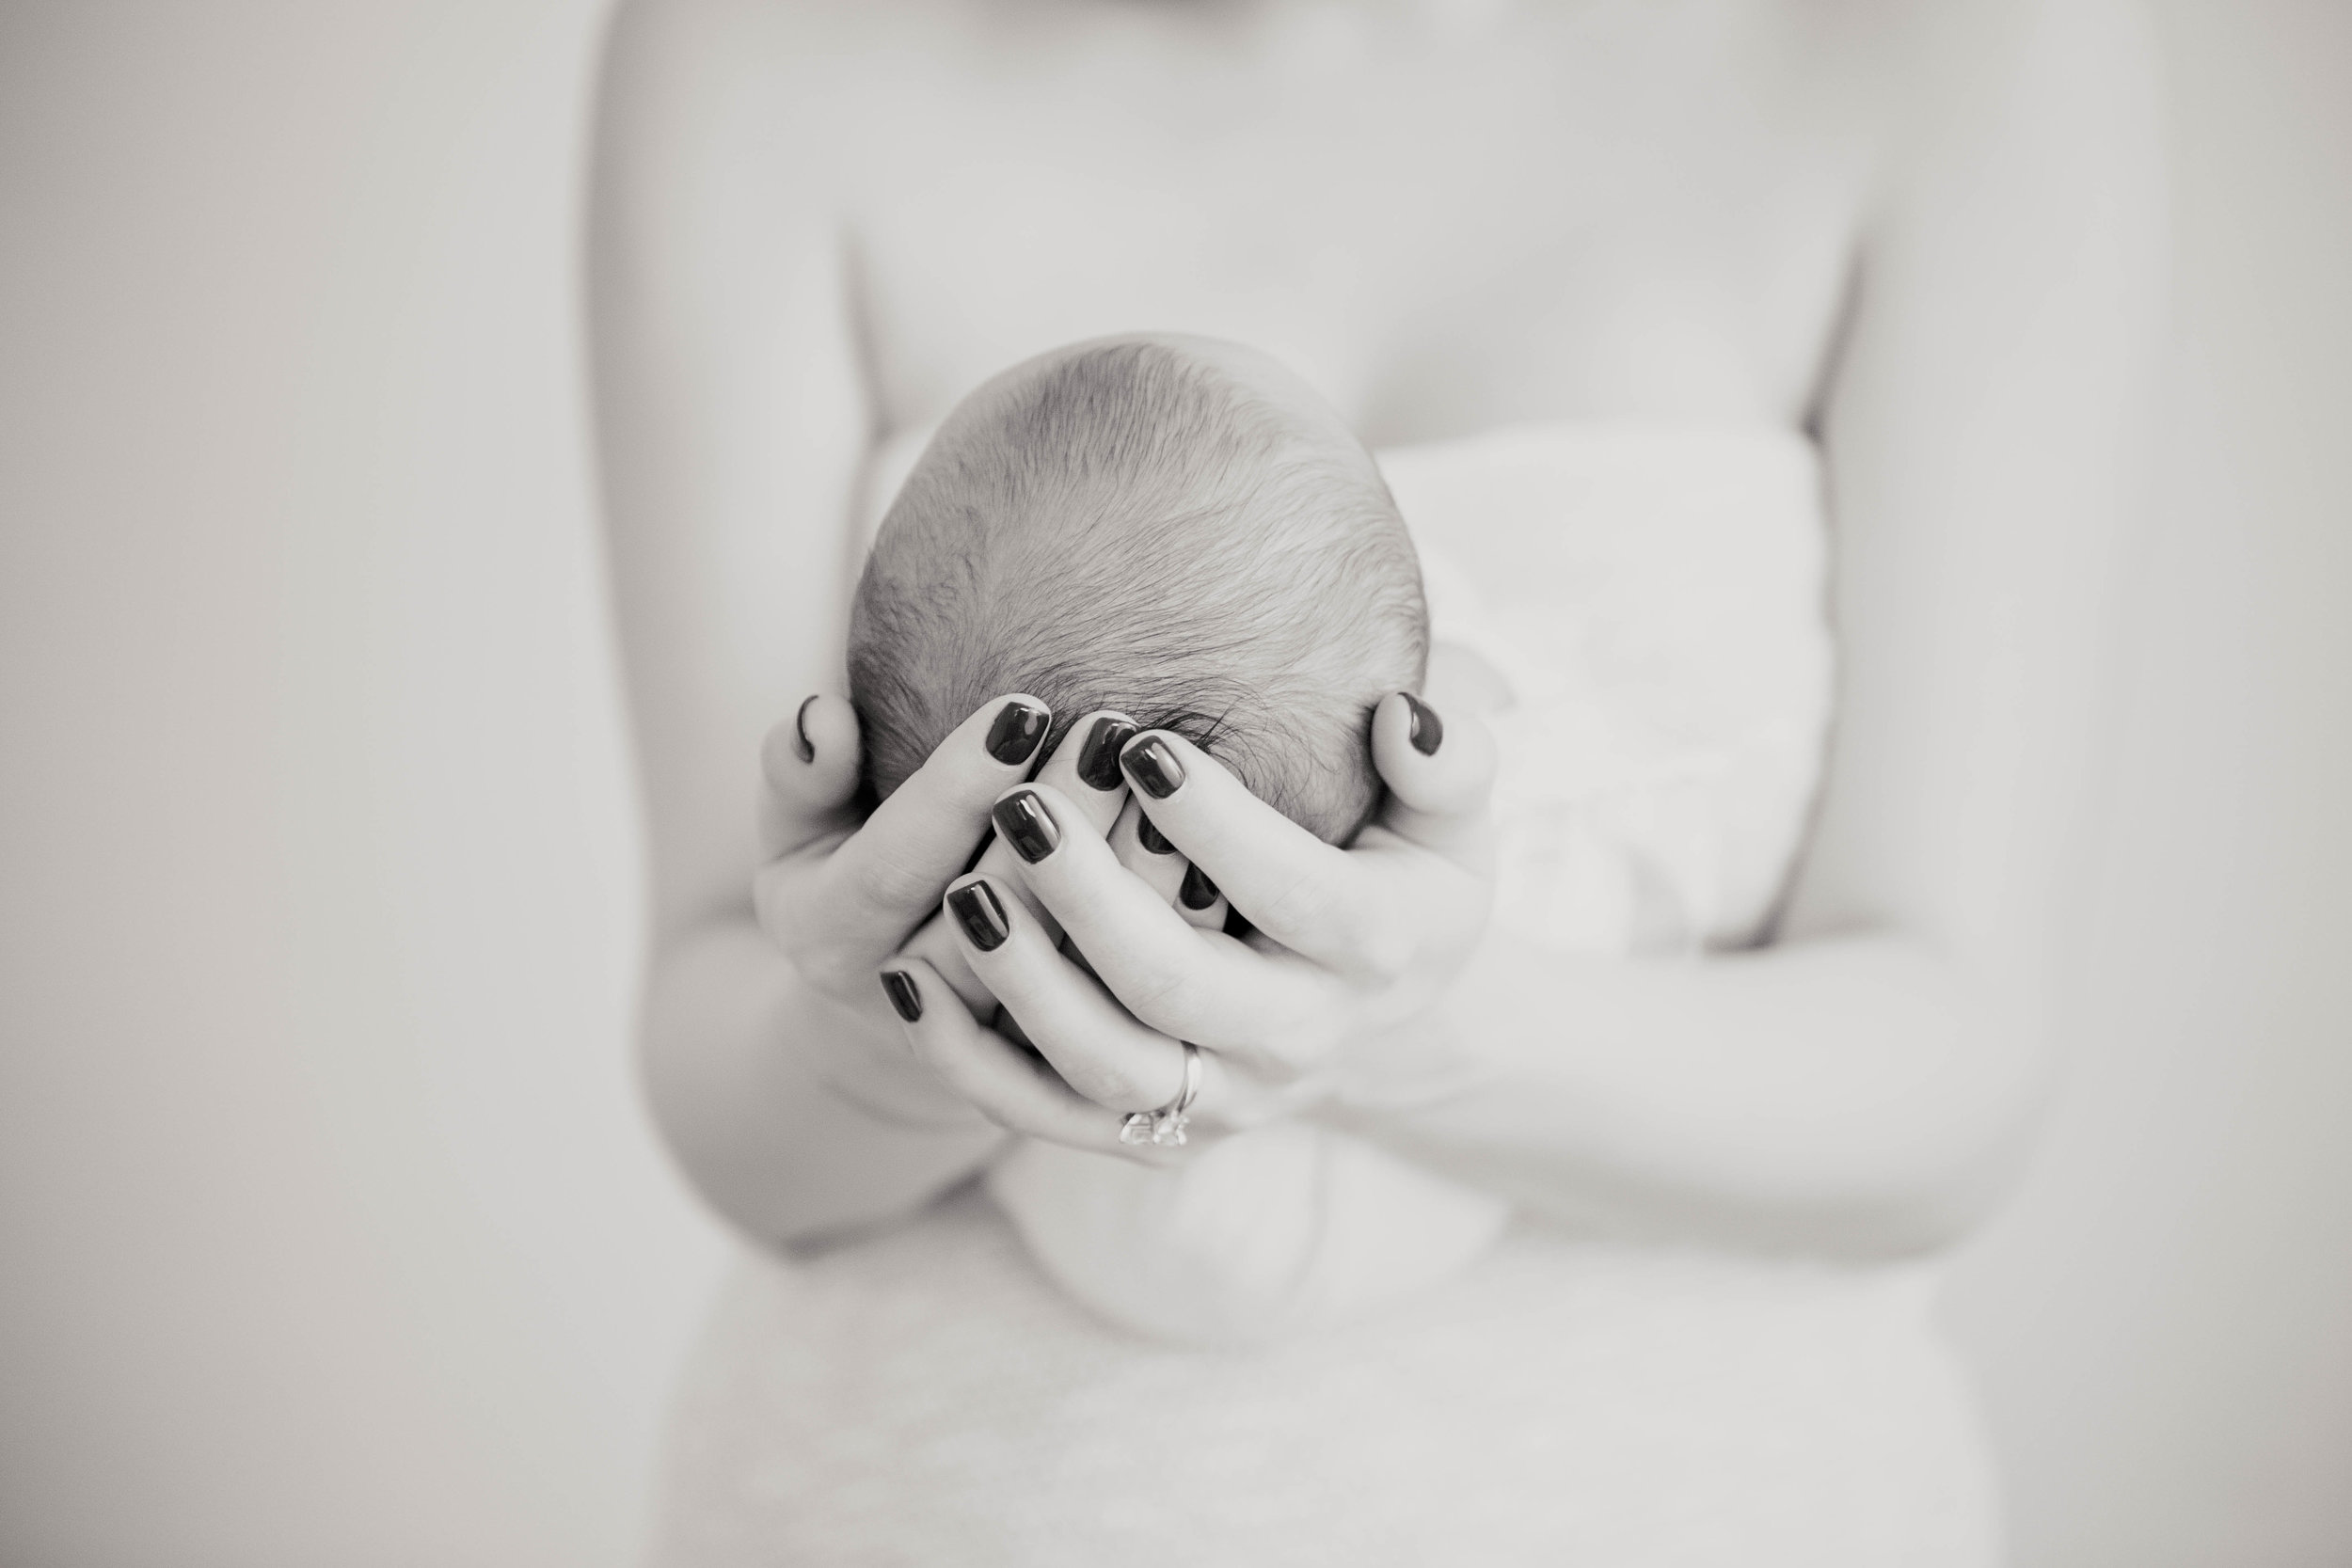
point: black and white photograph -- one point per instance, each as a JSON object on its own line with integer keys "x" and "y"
{"x": 1033, "y": 784}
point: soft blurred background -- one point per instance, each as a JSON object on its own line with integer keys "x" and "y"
{"x": 331, "y": 1231}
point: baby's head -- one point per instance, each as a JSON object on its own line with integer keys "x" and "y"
{"x": 1174, "y": 528}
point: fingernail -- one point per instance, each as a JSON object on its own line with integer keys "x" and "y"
{"x": 1098, "y": 760}
{"x": 1197, "y": 893}
{"x": 800, "y": 730}
{"x": 899, "y": 987}
{"x": 976, "y": 910}
{"x": 1154, "y": 767}
{"x": 1152, "y": 838}
{"x": 1019, "y": 727}
{"x": 1428, "y": 729}
{"x": 1027, "y": 826}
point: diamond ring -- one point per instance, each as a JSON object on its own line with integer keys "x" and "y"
{"x": 1164, "y": 1127}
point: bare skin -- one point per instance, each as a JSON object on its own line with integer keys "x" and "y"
{"x": 1931, "y": 240}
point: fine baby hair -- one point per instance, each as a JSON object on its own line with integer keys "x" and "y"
{"x": 1172, "y": 528}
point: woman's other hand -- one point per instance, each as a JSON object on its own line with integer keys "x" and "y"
{"x": 1345, "y": 943}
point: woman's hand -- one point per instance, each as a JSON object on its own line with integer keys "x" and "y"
{"x": 840, "y": 894}
{"x": 1345, "y": 943}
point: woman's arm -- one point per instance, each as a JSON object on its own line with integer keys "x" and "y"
{"x": 733, "y": 423}
{"x": 1866, "y": 1085}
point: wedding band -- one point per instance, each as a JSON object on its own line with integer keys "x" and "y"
{"x": 1164, "y": 1127}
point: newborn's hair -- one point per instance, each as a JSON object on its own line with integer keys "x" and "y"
{"x": 1132, "y": 526}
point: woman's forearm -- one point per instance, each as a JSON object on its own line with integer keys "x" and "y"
{"x": 791, "y": 1124}
{"x": 1845, "y": 1096}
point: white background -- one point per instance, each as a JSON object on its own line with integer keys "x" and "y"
{"x": 331, "y": 1231}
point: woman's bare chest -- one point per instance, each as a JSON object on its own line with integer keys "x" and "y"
{"x": 1440, "y": 245}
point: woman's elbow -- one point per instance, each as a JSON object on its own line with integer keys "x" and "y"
{"x": 1948, "y": 1165}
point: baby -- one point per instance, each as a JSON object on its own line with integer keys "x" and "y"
{"x": 1180, "y": 530}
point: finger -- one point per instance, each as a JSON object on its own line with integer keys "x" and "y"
{"x": 808, "y": 767}
{"x": 1200, "y": 902}
{"x": 1084, "y": 767}
{"x": 1439, "y": 773}
{"x": 935, "y": 944}
{"x": 1142, "y": 852}
{"x": 886, "y": 877}
{"x": 1196, "y": 985}
{"x": 1099, "y": 1049}
{"x": 1004, "y": 1083}
{"x": 1303, "y": 893}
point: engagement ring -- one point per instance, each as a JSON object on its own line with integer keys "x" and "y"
{"x": 1164, "y": 1127}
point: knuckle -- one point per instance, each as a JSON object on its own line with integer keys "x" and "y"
{"x": 894, "y": 882}
{"x": 1106, "y": 1087}
{"x": 1298, "y": 904}
{"x": 1160, "y": 995}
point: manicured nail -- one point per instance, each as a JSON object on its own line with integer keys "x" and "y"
{"x": 1153, "y": 768}
{"x": 899, "y": 987}
{"x": 800, "y": 730}
{"x": 1027, "y": 825}
{"x": 1428, "y": 729}
{"x": 1097, "y": 759}
{"x": 1019, "y": 728}
{"x": 1197, "y": 893}
{"x": 1150, "y": 838}
{"x": 976, "y": 910}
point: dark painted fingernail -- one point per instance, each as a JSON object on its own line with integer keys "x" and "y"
{"x": 1153, "y": 768}
{"x": 1019, "y": 728}
{"x": 899, "y": 987}
{"x": 1428, "y": 729}
{"x": 1199, "y": 893}
{"x": 976, "y": 910}
{"x": 1027, "y": 826}
{"x": 1098, "y": 760}
{"x": 1152, "y": 838}
{"x": 800, "y": 730}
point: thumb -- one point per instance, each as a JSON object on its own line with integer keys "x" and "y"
{"x": 1440, "y": 774}
{"x": 809, "y": 769}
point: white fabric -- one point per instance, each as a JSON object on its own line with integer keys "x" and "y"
{"x": 1657, "y": 617}
{"x": 928, "y": 1395}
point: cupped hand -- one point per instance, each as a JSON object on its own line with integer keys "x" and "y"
{"x": 1344, "y": 944}
{"x": 839, "y": 890}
